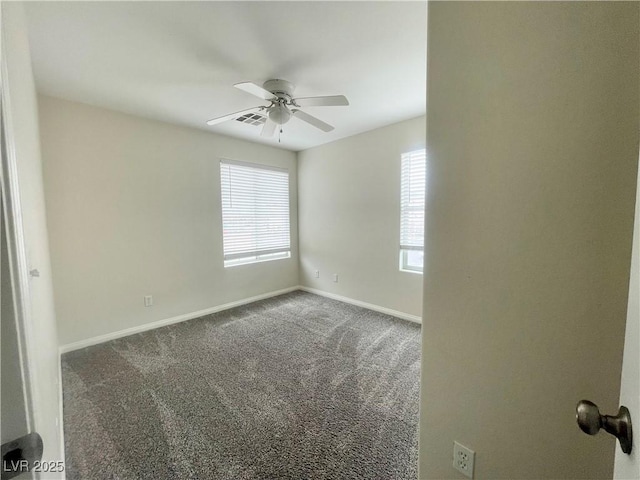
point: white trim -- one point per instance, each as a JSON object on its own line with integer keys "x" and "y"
{"x": 169, "y": 321}
{"x": 370, "y": 306}
{"x": 16, "y": 248}
{"x": 201, "y": 313}
{"x": 242, "y": 163}
{"x": 255, "y": 257}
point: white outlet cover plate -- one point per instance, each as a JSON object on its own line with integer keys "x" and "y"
{"x": 463, "y": 459}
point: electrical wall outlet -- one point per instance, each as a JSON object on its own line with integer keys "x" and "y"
{"x": 463, "y": 459}
{"x": 317, "y": 273}
{"x": 148, "y": 300}
{"x": 335, "y": 277}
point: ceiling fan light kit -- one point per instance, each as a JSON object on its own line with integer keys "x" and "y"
{"x": 279, "y": 114}
{"x": 280, "y": 94}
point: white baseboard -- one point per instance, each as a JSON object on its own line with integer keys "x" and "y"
{"x": 169, "y": 321}
{"x": 201, "y": 313}
{"x": 370, "y": 306}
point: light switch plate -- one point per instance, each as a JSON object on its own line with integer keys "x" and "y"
{"x": 148, "y": 300}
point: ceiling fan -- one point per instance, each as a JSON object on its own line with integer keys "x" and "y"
{"x": 283, "y": 106}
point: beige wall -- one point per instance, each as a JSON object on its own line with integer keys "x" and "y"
{"x": 29, "y": 231}
{"x": 134, "y": 209}
{"x": 532, "y": 131}
{"x": 349, "y": 216}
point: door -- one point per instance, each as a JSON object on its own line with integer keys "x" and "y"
{"x": 13, "y": 404}
{"x": 628, "y": 466}
{"x": 27, "y": 251}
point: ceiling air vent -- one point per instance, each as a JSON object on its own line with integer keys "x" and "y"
{"x": 252, "y": 119}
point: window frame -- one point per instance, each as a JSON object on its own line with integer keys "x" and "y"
{"x": 234, "y": 258}
{"x": 404, "y": 264}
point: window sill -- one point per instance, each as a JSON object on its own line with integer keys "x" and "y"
{"x": 249, "y": 261}
{"x": 405, "y": 270}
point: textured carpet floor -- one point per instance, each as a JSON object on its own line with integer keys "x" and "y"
{"x": 297, "y": 386}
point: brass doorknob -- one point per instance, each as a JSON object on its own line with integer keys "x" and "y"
{"x": 591, "y": 421}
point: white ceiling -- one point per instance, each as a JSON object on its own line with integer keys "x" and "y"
{"x": 177, "y": 61}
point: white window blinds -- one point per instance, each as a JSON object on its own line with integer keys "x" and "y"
{"x": 255, "y": 211}
{"x": 414, "y": 169}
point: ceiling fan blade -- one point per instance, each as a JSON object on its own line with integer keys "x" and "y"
{"x": 256, "y": 90}
{"x": 231, "y": 116}
{"x": 269, "y": 128}
{"x": 311, "y": 120}
{"x": 326, "y": 101}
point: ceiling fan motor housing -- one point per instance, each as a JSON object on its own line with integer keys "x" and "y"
{"x": 279, "y": 112}
{"x": 279, "y": 87}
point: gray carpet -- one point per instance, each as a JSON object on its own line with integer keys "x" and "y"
{"x": 294, "y": 387}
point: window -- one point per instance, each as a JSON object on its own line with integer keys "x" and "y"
{"x": 412, "y": 195}
{"x": 255, "y": 213}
